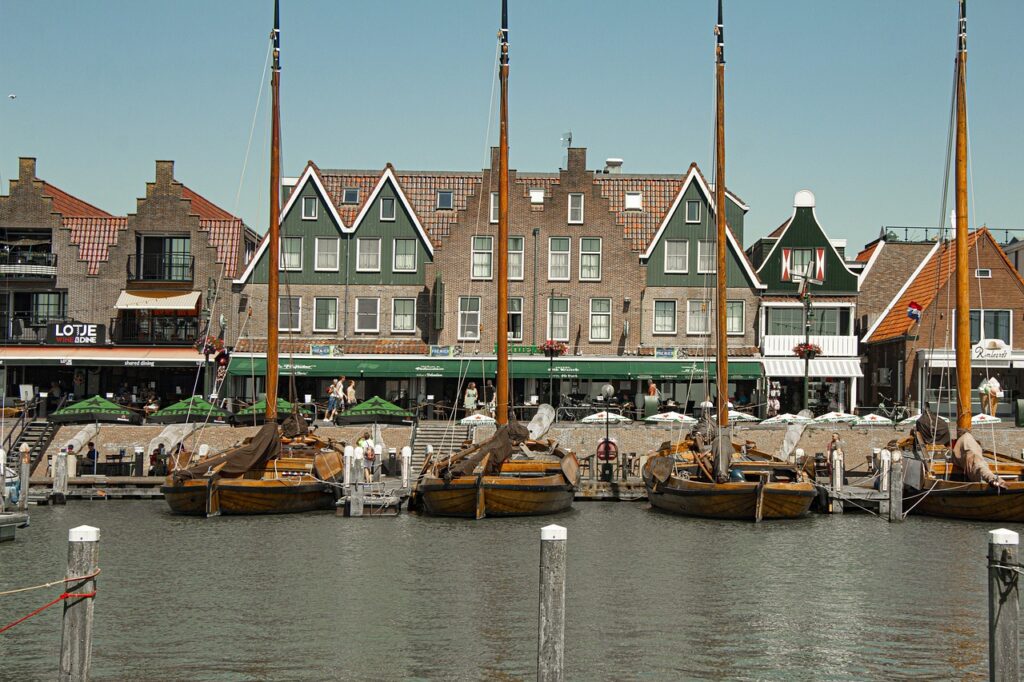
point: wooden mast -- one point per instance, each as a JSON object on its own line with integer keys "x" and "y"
{"x": 963, "y": 303}
{"x": 501, "y": 399}
{"x": 273, "y": 233}
{"x": 722, "y": 353}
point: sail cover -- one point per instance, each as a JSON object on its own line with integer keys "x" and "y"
{"x": 263, "y": 446}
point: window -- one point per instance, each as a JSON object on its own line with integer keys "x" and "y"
{"x": 367, "y": 314}
{"x": 983, "y": 273}
{"x": 786, "y": 321}
{"x": 515, "y": 319}
{"x": 677, "y": 256}
{"x": 327, "y": 254}
{"x": 515, "y": 257}
{"x": 590, "y": 259}
{"x": 558, "y": 258}
{"x": 822, "y": 321}
{"x": 482, "y": 257}
{"x": 558, "y": 319}
{"x": 291, "y": 253}
{"x": 403, "y": 315}
{"x": 734, "y": 315}
{"x": 600, "y": 319}
{"x": 325, "y": 314}
{"x": 799, "y": 261}
{"x": 309, "y": 205}
{"x": 444, "y": 200}
{"x": 387, "y": 209}
{"x": 405, "y": 255}
{"x": 469, "y": 318}
{"x": 289, "y": 313}
{"x": 693, "y": 211}
{"x": 494, "y": 207}
{"x": 698, "y": 317}
{"x": 350, "y": 195}
{"x": 163, "y": 258}
{"x": 575, "y": 208}
{"x": 664, "y": 317}
{"x": 634, "y": 201}
{"x": 996, "y": 325}
{"x": 46, "y": 306}
{"x": 537, "y": 195}
{"x": 368, "y": 254}
{"x": 707, "y": 257}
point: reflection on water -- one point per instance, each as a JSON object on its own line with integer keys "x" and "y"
{"x": 650, "y": 596}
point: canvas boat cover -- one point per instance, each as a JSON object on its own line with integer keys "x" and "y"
{"x": 264, "y": 446}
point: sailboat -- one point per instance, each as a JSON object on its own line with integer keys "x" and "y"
{"x": 254, "y": 477}
{"x": 954, "y": 487}
{"x": 731, "y": 481}
{"x": 484, "y": 479}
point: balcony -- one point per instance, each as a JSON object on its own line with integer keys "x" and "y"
{"x": 832, "y": 346}
{"x": 161, "y": 267}
{"x": 25, "y": 328}
{"x": 154, "y": 331}
{"x": 28, "y": 264}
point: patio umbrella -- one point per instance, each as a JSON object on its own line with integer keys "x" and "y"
{"x": 985, "y": 419}
{"x": 375, "y": 410}
{"x": 737, "y": 416}
{"x": 836, "y": 417}
{"x": 477, "y": 419}
{"x": 95, "y": 409}
{"x": 602, "y": 417}
{"x": 873, "y": 420}
{"x": 786, "y": 418}
{"x": 194, "y": 409}
{"x": 670, "y": 418}
{"x": 257, "y": 411}
{"x": 910, "y": 421}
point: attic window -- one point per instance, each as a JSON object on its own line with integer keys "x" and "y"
{"x": 634, "y": 201}
{"x": 309, "y": 208}
{"x": 537, "y": 195}
{"x": 350, "y": 195}
{"x": 444, "y": 200}
{"x": 983, "y": 273}
{"x": 693, "y": 211}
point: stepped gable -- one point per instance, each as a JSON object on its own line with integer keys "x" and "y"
{"x": 224, "y": 230}
{"x": 94, "y": 236}
{"x": 639, "y": 227}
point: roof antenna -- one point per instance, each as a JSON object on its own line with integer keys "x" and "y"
{"x": 566, "y": 141}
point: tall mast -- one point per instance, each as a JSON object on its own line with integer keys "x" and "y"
{"x": 963, "y": 303}
{"x": 273, "y": 234}
{"x": 501, "y": 400}
{"x": 722, "y": 354}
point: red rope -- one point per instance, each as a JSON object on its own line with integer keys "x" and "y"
{"x": 63, "y": 596}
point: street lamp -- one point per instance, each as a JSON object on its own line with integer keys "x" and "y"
{"x": 607, "y": 391}
{"x": 805, "y": 281}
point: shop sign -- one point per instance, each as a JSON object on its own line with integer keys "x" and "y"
{"x": 520, "y": 350}
{"x": 670, "y": 352}
{"x": 563, "y": 370}
{"x": 139, "y": 363}
{"x": 445, "y": 351}
{"x": 322, "y": 350}
{"x": 75, "y": 334}
{"x": 991, "y": 349}
{"x": 429, "y": 371}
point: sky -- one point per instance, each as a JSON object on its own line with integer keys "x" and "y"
{"x": 848, "y": 99}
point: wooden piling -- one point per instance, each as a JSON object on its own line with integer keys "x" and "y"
{"x": 76, "y": 630}
{"x": 838, "y": 473}
{"x": 59, "y": 492}
{"x": 551, "y": 629}
{"x": 23, "y": 481}
{"x": 1003, "y": 606}
{"x": 896, "y": 487}
{"x": 355, "y": 490}
{"x": 406, "y": 465}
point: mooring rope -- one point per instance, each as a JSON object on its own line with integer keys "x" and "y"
{"x": 61, "y": 597}
{"x": 90, "y": 576}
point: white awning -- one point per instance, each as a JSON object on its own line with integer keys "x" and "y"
{"x": 157, "y": 300}
{"x": 819, "y": 367}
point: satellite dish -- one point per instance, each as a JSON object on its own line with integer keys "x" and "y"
{"x": 541, "y": 421}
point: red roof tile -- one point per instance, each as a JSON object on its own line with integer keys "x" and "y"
{"x": 865, "y": 255}
{"x": 68, "y": 205}
{"x": 203, "y": 207}
{"x": 94, "y": 237}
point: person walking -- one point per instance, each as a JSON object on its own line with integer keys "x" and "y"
{"x": 369, "y": 455}
{"x": 469, "y": 401}
{"x": 332, "y": 401}
{"x": 350, "y": 394}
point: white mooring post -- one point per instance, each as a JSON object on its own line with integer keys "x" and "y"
{"x": 896, "y": 486}
{"x": 23, "y": 478}
{"x": 838, "y": 474}
{"x": 551, "y": 630}
{"x": 355, "y": 496}
{"x": 406, "y": 465}
{"x": 76, "y": 631}
{"x": 59, "y": 494}
{"x": 349, "y": 453}
{"x": 1003, "y": 606}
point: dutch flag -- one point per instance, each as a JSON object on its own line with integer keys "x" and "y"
{"x": 914, "y": 311}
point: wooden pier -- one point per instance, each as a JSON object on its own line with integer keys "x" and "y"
{"x": 100, "y": 488}
{"x": 878, "y": 491}
{"x": 630, "y": 490}
{"x": 10, "y": 522}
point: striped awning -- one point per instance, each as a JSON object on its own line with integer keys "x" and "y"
{"x": 819, "y": 367}
{"x": 157, "y": 300}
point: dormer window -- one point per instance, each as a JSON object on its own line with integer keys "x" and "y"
{"x": 537, "y": 196}
{"x": 445, "y": 200}
{"x": 693, "y": 211}
{"x": 350, "y": 195}
{"x": 387, "y": 209}
{"x": 309, "y": 205}
{"x": 634, "y": 201}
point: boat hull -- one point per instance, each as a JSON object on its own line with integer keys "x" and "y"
{"x": 502, "y": 496}
{"x": 731, "y": 500}
{"x": 245, "y": 496}
{"x": 968, "y": 501}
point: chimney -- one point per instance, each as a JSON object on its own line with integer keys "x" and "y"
{"x": 164, "y": 173}
{"x": 27, "y": 168}
{"x": 577, "y": 162}
{"x": 495, "y": 158}
{"x": 613, "y": 165}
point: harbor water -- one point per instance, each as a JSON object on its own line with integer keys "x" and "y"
{"x": 649, "y": 597}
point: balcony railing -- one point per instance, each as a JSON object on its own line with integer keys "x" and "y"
{"x": 154, "y": 331}
{"x": 835, "y": 346}
{"x": 25, "y": 327}
{"x": 160, "y": 267}
{"x": 28, "y": 264}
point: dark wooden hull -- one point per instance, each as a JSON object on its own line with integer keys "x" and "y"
{"x": 502, "y": 496}
{"x": 731, "y": 500}
{"x": 247, "y": 496}
{"x": 968, "y": 501}
{"x": 188, "y": 498}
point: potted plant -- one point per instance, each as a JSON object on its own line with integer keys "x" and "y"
{"x": 210, "y": 345}
{"x": 806, "y": 350}
{"x": 554, "y": 349}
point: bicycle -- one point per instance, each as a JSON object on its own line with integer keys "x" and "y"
{"x": 892, "y": 409}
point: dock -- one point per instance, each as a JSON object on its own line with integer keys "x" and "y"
{"x": 10, "y": 522}
{"x": 629, "y": 490}
{"x": 100, "y": 488}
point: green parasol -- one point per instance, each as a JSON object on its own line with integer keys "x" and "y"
{"x": 375, "y": 410}
{"x": 95, "y": 409}
{"x": 194, "y": 409}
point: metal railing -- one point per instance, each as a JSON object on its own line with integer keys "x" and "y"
{"x": 159, "y": 331}
{"x": 161, "y": 267}
{"x": 25, "y": 327}
{"x": 28, "y": 264}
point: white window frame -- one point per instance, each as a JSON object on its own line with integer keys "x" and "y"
{"x": 344, "y": 195}
{"x": 309, "y": 201}
{"x": 492, "y": 209}
{"x": 536, "y": 196}
{"x": 325, "y": 329}
{"x": 675, "y": 317}
{"x": 707, "y": 316}
{"x": 686, "y": 257}
{"x": 395, "y": 330}
{"x": 593, "y": 314}
{"x": 743, "y": 317}
{"x": 568, "y": 262}
{"x": 568, "y": 318}
{"x": 522, "y": 258}
{"x": 686, "y": 211}
{"x": 281, "y": 252}
{"x": 451, "y": 200}
{"x": 477, "y": 312}
{"x": 700, "y": 253}
{"x": 297, "y": 328}
{"x": 516, "y": 312}
{"x": 394, "y": 209}
{"x": 981, "y": 321}
{"x": 359, "y": 253}
{"x": 490, "y": 257}
{"x": 600, "y": 259}
{"x": 804, "y": 270}
{"x": 983, "y": 273}
{"x": 634, "y": 201}
{"x": 337, "y": 254}
{"x": 582, "y": 215}
{"x": 394, "y": 254}
{"x": 376, "y": 328}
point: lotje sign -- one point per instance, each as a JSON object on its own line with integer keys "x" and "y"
{"x": 75, "y": 334}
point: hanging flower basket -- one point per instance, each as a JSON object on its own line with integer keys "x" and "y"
{"x": 806, "y": 350}
{"x": 211, "y": 345}
{"x": 554, "y": 349}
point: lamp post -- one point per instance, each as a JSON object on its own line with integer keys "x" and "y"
{"x": 607, "y": 391}
{"x": 804, "y": 283}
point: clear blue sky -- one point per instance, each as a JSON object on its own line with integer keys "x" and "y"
{"x": 848, "y": 99}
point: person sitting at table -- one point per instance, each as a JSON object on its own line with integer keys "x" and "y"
{"x": 152, "y": 405}
{"x": 93, "y": 456}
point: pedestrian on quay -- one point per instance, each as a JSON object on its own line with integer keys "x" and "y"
{"x": 369, "y": 455}
{"x": 350, "y": 394}
{"x": 92, "y": 455}
{"x": 340, "y": 395}
{"x": 332, "y": 400}
{"x": 469, "y": 400}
